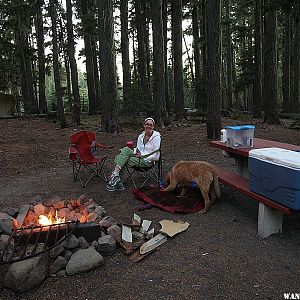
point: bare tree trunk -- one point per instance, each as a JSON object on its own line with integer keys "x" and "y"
{"x": 213, "y": 38}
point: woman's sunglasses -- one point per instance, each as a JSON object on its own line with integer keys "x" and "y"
{"x": 148, "y": 124}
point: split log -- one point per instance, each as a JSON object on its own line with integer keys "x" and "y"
{"x": 153, "y": 243}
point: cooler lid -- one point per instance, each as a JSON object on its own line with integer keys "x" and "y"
{"x": 278, "y": 156}
{"x": 240, "y": 127}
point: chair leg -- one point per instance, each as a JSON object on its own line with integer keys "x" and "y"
{"x": 95, "y": 170}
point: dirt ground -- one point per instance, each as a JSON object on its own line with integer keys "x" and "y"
{"x": 218, "y": 257}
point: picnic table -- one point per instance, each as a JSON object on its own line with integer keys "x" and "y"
{"x": 270, "y": 213}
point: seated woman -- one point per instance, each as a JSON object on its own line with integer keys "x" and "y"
{"x": 143, "y": 155}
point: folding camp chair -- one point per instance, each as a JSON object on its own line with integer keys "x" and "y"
{"x": 85, "y": 157}
{"x": 145, "y": 174}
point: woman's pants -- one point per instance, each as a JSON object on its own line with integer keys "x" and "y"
{"x": 126, "y": 158}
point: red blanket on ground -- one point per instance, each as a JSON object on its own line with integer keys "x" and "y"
{"x": 169, "y": 201}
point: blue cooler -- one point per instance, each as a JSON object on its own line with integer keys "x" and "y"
{"x": 275, "y": 174}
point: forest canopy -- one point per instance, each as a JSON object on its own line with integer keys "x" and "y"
{"x": 212, "y": 56}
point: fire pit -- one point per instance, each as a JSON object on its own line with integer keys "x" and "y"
{"x": 61, "y": 237}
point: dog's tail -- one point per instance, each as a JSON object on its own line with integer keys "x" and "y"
{"x": 216, "y": 183}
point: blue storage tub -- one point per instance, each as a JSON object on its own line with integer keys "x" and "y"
{"x": 275, "y": 174}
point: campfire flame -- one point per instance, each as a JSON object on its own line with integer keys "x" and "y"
{"x": 44, "y": 220}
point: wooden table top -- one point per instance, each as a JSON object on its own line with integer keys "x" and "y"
{"x": 257, "y": 144}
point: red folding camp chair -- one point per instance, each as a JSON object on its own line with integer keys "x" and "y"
{"x": 86, "y": 158}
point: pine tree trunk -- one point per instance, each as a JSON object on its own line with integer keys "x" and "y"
{"x": 196, "y": 46}
{"x": 125, "y": 53}
{"x": 257, "y": 85}
{"x": 165, "y": 34}
{"x": 177, "y": 58}
{"x": 203, "y": 48}
{"x": 270, "y": 65}
{"x": 296, "y": 65}
{"x": 85, "y": 8}
{"x": 96, "y": 76}
{"x": 56, "y": 67}
{"x": 76, "y": 107}
{"x": 41, "y": 58}
{"x": 286, "y": 68}
{"x": 158, "y": 64}
{"x": 142, "y": 53}
{"x": 213, "y": 38}
{"x": 228, "y": 56}
{"x": 108, "y": 77}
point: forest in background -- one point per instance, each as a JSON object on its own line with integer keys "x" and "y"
{"x": 244, "y": 56}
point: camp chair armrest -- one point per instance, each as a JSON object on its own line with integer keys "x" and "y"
{"x": 146, "y": 155}
{"x": 102, "y": 146}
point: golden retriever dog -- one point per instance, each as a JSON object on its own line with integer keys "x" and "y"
{"x": 204, "y": 174}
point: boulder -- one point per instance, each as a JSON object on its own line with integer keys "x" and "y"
{"x": 84, "y": 260}
{"x": 26, "y": 274}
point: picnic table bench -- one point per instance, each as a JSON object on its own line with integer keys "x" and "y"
{"x": 270, "y": 213}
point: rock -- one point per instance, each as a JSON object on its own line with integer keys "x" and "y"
{"x": 50, "y": 201}
{"x": 94, "y": 244}
{"x": 37, "y": 199}
{"x": 4, "y": 240}
{"x": 84, "y": 260}
{"x": 83, "y": 244}
{"x": 6, "y": 225}
{"x": 61, "y": 273}
{"x": 82, "y": 199}
{"x": 90, "y": 208}
{"x": 26, "y": 274}
{"x": 40, "y": 209}
{"x": 12, "y": 211}
{"x": 59, "y": 204}
{"x": 67, "y": 255}
{"x": 106, "y": 245}
{"x": 5, "y": 216}
{"x": 3, "y": 271}
{"x": 31, "y": 218}
{"x": 64, "y": 212}
{"x": 108, "y": 221}
{"x": 100, "y": 211}
{"x": 71, "y": 242}
{"x": 58, "y": 264}
{"x": 56, "y": 251}
{"x": 115, "y": 231}
{"x": 92, "y": 217}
